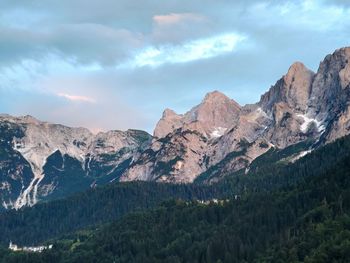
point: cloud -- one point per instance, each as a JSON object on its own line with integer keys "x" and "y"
{"x": 90, "y": 43}
{"x": 85, "y": 43}
{"x": 316, "y": 16}
{"x": 179, "y": 27}
{"x": 134, "y": 59}
{"x": 77, "y": 98}
{"x": 174, "y": 18}
{"x": 191, "y": 51}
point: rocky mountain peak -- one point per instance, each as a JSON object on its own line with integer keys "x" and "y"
{"x": 341, "y": 59}
{"x": 215, "y": 96}
{"x": 330, "y": 83}
{"x": 293, "y": 89}
{"x": 336, "y": 62}
{"x": 297, "y": 71}
{"x": 329, "y": 98}
{"x": 169, "y": 122}
{"x": 216, "y": 111}
{"x": 168, "y": 113}
{"x": 89, "y": 155}
{"x": 27, "y": 119}
{"x": 340, "y": 55}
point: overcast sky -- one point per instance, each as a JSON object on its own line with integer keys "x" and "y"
{"x": 117, "y": 64}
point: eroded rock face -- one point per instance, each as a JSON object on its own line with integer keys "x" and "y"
{"x": 180, "y": 152}
{"x": 169, "y": 122}
{"x": 330, "y": 94}
{"x": 293, "y": 90}
{"x": 301, "y": 106}
{"x": 216, "y": 113}
{"x": 69, "y": 151}
{"x": 212, "y": 117}
{"x": 178, "y": 157}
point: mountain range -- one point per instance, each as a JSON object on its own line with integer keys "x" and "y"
{"x": 41, "y": 161}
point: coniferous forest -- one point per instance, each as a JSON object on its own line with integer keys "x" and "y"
{"x": 297, "y": 212}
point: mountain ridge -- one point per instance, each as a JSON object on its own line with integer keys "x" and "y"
{"x": 39, "y": 140}
{"x": 302, "y": 105}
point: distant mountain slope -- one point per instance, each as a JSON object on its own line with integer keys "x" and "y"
{"x": 42, "y": 161}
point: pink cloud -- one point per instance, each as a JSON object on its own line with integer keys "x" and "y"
{"x": 76, "y": 98}
{"x": 174, "y": 18}
{"x": 179, "y": 27}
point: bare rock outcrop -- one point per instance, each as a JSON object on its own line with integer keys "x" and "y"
{"x": 212, "y": 117}
{"x": 95, "y": 156}
{"x": 301, "y": 106}
{"x": 293, "y": 89}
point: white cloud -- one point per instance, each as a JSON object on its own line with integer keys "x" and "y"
{"x": 190, "y": 51}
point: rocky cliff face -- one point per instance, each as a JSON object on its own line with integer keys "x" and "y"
{"x": 40, "y": 161}
{"x": 330, "y": 95}
{"x": 293, "y": 90}
{"x": 219, "y": 136}
{"x": 62, "y": 153}
{"x": 182, "y": 143}
{"x": 212, "y": 117}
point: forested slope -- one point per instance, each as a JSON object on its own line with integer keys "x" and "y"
{"x": 304, "y": 219}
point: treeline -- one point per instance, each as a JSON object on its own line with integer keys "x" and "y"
{"x": 33, "y": 225}
{"x": 304, "y": 220}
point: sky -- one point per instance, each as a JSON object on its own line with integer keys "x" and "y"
{"x": 117, "y": 64}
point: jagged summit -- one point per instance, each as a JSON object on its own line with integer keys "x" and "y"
{"x": 341, "y": 58}
{"x": 40, "y": 142}
{"x": 168, "y": 123}
{"x": 216, "y": 111}
{"x": 297, "y": 70}
{"x": 215, "y": 96}
{"x": 301, "y": 106}
{"x": 24, "y": 119}
{"x": 336, "y": 65}
{"x": 293, "y": 89}
{"x": 31, "y": 120}
{"x": 219, "y": 98}
{"x": 340, "y": 53}
{"x": 169, "y": 113}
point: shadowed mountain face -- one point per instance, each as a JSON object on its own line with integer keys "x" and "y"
{"x": 43, "y": 161}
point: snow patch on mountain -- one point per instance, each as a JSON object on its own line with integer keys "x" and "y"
{"x": 300, "y": 155}
{"x": 218, "y": 132}
{"x": 307, "y": 121}
{"x": 42, "y": 139}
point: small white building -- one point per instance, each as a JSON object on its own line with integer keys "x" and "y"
{"x": 14, "y": 247}
{"x": 38, "y": 249}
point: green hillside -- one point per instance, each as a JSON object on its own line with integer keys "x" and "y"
{"x": 299, "y": 215}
